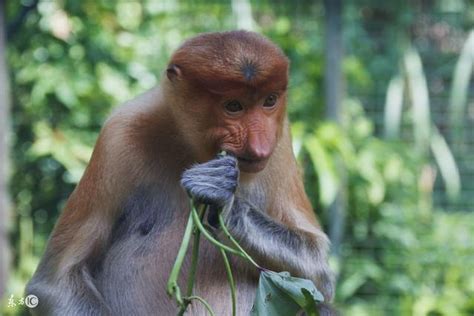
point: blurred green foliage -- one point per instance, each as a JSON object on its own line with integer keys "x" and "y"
{"x": 73, "y": 61}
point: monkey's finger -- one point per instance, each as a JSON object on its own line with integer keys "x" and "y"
{"x": 211, "y": 195}
{"x": 213, "y": 173}
{"x": 199, "y": 186}
{"x": 227, "y": 160}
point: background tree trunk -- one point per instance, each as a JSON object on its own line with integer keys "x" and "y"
{"x": 242, "y": 10}
{"x": 333, "y": 93}
{"x": 4, "y": 123}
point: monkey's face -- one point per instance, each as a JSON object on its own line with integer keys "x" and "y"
{"x": 248, "y": 126}
{"x": 231, "y": 88}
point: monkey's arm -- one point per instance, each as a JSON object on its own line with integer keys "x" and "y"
{"x": 300, "y": 249}
{"x": 280, "y": 247}
{"x": 64, "y": 281}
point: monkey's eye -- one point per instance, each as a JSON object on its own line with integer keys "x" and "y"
{"x": 233, "y": 107}
{"x": 270, "y": 101}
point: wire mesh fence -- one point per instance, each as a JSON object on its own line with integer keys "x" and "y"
{"x": 439, "y": 37}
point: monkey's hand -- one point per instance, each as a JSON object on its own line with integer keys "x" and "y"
{"x": 213, "y": 182}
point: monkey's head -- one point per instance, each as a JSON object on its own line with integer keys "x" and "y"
{"x": 229, "y": 92}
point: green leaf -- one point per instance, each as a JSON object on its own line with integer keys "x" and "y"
{"x": 446, "y": 163}
{"x": 66, "y": 94}
{"x": 419, "y": 95}
{"x": 393, "y": 107}
{"x": 460, "y": 86}
{"x": 282, "y": 294}
{"x": 324, "y": 165}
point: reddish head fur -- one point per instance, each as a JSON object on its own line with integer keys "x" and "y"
{"x": 225, "y": 61}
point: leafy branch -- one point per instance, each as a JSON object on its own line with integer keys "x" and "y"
{"x": 274, "y": 290}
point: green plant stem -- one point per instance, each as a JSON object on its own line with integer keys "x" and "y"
{"x": 230, "y": 278}
{"x": 243, "y": 253}
{"x": 211, "y": 238}
{"x": 203, "y": 301}
{"x": 197, "y": 235}
{"x": 194, "y": 262}
{"x": 195, "y": 225}
{"x": 172, "y": 286}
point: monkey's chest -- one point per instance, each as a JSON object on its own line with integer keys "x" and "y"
{"x": 135, "y": 271}
{"x": 142, "y": 250}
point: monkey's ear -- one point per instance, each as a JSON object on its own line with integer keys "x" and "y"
{"x": 173, "y": 72}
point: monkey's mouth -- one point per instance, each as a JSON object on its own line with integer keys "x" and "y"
{"x": 251, "y": 165}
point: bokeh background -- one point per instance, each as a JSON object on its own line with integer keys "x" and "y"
{"x": 381, "y": 101}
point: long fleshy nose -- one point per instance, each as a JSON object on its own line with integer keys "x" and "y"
{"x": 258, "y": 147}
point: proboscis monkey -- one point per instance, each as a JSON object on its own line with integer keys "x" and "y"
{"x": 114, "y": 245}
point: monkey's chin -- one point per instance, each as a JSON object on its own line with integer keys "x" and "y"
{"x": 251, "y": 166}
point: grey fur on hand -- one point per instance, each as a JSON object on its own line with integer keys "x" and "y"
{"x": 213, "y": 182}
